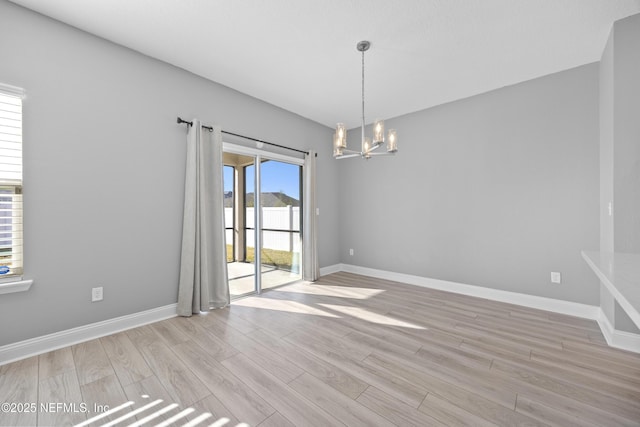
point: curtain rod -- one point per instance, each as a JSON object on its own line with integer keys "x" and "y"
{"x": 246, "y": 137}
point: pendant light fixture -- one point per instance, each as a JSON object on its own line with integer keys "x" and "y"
{"x": 368, "y": 145}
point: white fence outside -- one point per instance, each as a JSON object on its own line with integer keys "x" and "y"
{"x": 286, "y": 219}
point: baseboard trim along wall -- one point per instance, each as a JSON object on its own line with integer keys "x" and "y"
{"x": 335, "y": 268}
{"x": 618, "y": 339}
{"x": 615, "y": 338}
{"x": 46, "y": 343}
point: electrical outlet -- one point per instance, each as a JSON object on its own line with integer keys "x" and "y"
{"x": 556, "y": 277}
{"x": 351, "y": 252}
{"x": 96, "y": 294}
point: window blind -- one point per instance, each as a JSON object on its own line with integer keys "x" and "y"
{"x": 10, "y": 183}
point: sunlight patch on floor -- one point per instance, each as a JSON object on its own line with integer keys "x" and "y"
{"x": 151, "y": 418}
{"x": 370, "y": 316}
{"x": 105, "y": 414}
{"x": 133, "y": 413}
{"x": 331, "y": 291}
{"x": 277, "y": 305}
{"x": 183, "y": 414}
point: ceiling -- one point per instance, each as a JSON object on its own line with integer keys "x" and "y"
{"x": 301, "y": 55}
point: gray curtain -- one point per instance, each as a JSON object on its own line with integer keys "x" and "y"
{"x": 203, "y": 264}
{"x": 310, "y": 268}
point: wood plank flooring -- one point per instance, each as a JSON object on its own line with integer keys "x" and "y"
{"x": 347, "y": 350}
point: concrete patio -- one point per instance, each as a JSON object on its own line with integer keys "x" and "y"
{"x": 242, "y": 277}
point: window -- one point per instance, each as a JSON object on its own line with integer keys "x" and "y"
{"x": 10, "y": 181}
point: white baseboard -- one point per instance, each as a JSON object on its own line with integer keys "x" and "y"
{"x": 335, "y": 268}
{"x": 532, "y": 301}
{"x": 46, "y": 343}
{"x": 619, "y": 339}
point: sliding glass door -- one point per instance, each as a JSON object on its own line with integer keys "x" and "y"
{"x": 266, "y": 211}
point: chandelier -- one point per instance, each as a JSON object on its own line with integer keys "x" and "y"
{"x": 340, "y": 150}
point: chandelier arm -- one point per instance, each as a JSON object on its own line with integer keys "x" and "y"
{"x": 381, "y": 154}
{"x": 347, "y": 151}
{"x": 346, "y": 156}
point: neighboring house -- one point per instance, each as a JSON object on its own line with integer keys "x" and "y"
{"x": 269, "y": 200}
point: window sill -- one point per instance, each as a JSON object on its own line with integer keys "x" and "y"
{"x": 15, "y": 286}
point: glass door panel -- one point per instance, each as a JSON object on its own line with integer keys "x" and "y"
{"x": 252, "y": 229}
{"x": 280, "y": 202}
{"x": 241, "y": 266}
{"x": 229, "y": 212}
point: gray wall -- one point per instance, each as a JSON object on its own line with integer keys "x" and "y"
{"x": 496, "y": 190}
{"x": 626, "y": 111}
{"x": 104, "y": 171}
{"x": 620, "y": 152}
{"x": 606, "y": 147}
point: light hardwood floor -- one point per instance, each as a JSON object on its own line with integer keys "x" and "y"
{"x": 348, "y": 350}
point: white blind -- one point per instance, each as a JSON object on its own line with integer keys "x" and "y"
{"x": 10, "y": 183}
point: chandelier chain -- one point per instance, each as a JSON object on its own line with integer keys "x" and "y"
{"x": 362, "y": 140}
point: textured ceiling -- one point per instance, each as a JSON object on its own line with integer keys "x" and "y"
{"x": 301, "y": 55}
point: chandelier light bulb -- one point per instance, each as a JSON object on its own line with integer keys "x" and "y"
{"x": 392, "y": 141}
{"x": 378, "y": 132}
{"x": 366, "y": 148}
{"x": 340, "y": 140}
{"x": 337, "y": 150}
